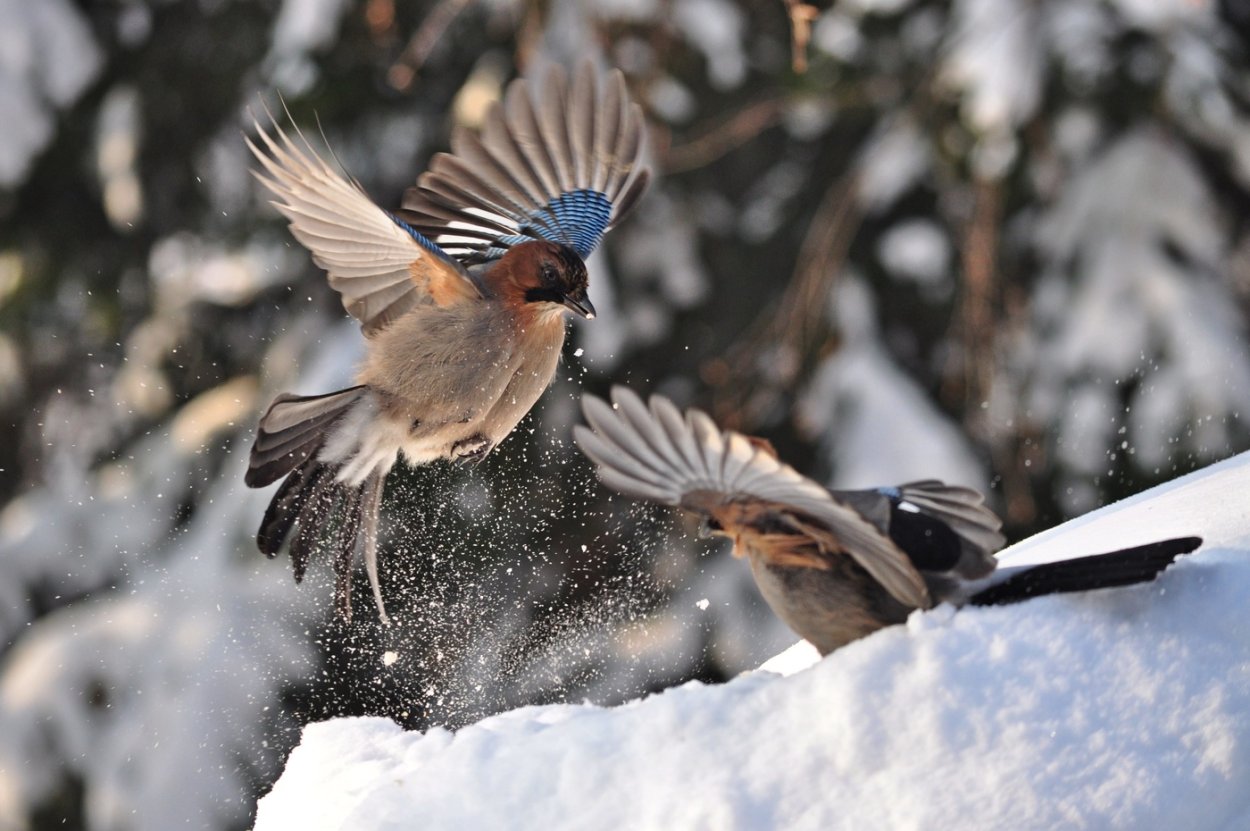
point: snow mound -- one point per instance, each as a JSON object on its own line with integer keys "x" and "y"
{"x": 1127, "y": 708}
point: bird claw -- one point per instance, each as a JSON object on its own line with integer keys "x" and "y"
{"x": 471, "y": 450}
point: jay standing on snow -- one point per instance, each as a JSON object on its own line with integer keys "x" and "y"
{"x": 833, "y": 565}
{"x": 461, "y": 296}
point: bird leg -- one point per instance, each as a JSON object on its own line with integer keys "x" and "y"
{"x": 371, "y": 503}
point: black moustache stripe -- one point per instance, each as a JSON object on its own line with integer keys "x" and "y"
{"x": 538, "y": 295}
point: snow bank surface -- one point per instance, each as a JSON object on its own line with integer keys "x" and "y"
{"x": 1127, "y": 708}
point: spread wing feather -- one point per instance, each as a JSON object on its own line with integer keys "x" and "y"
{"x": 381, "y": 267}
{"x": 564, "y": 166}
{"x": 963, "y": 509}
{"x": 654, "y": 453}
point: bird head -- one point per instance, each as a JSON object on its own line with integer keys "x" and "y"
{"x": 546, "y": 276}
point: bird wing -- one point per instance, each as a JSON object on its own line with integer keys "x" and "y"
{"x": 963, "y": 509}
{"x": 380, "y": 266}
{"x": 654, "y": 453}
{"x": 564, "y": 167}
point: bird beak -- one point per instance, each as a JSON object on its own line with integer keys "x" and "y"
{"x": 580, "y": 304}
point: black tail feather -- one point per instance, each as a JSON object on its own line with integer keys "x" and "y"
{"x": 311, "y": 501}
{"x": 292, "y": 430}
{"x": 285, "y": 508}
{"x": 272, "y": 463}
{"x": 1125, "y": 567}
{"x": 314, "y": 517}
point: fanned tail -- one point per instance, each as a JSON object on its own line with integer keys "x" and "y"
{"x": 313, "y": 508}
{"x": 327, "y": 514}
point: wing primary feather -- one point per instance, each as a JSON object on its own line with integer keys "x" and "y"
{"x": 607, "y": 125}
{"x": 632, "y": 410}
{"x": 560, "y": 162}
{"x": 480, "y": 158}
{"x": 456, "y": 172}
{"x": 628, "y": 146}
{"x": 737, "y": 456}
{"x": 524, "y": 126}
{"x": 451, "y": 220}
{"x": 679, "y": 432}
{"x": 710, "y": 444}
{"x": 379, "y": 264}
{"x": 581, "y": 125}
{"x": 600, "y": 416}
{"x": 609, "y": 456}
{"x": 628, "y": 199}
{"x": 498, "y": 138}
{"x": 554, "y": 128}
{"x": 641, "y": 489}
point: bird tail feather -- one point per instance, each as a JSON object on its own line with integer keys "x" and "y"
{"x": 328, "y": 514}
{"x": 1125, "y": 567}
{"x": 292, "y": 431}
{"x": 322, "y": 510}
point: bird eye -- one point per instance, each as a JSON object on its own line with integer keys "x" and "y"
{"x": 548, "y": 273}
{"x": 709, "y": 527}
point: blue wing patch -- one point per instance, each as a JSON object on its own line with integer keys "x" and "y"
{"x": 438, "y": 251}
{"x": 424, "y": 241}
{"x": 577, "y": 219}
